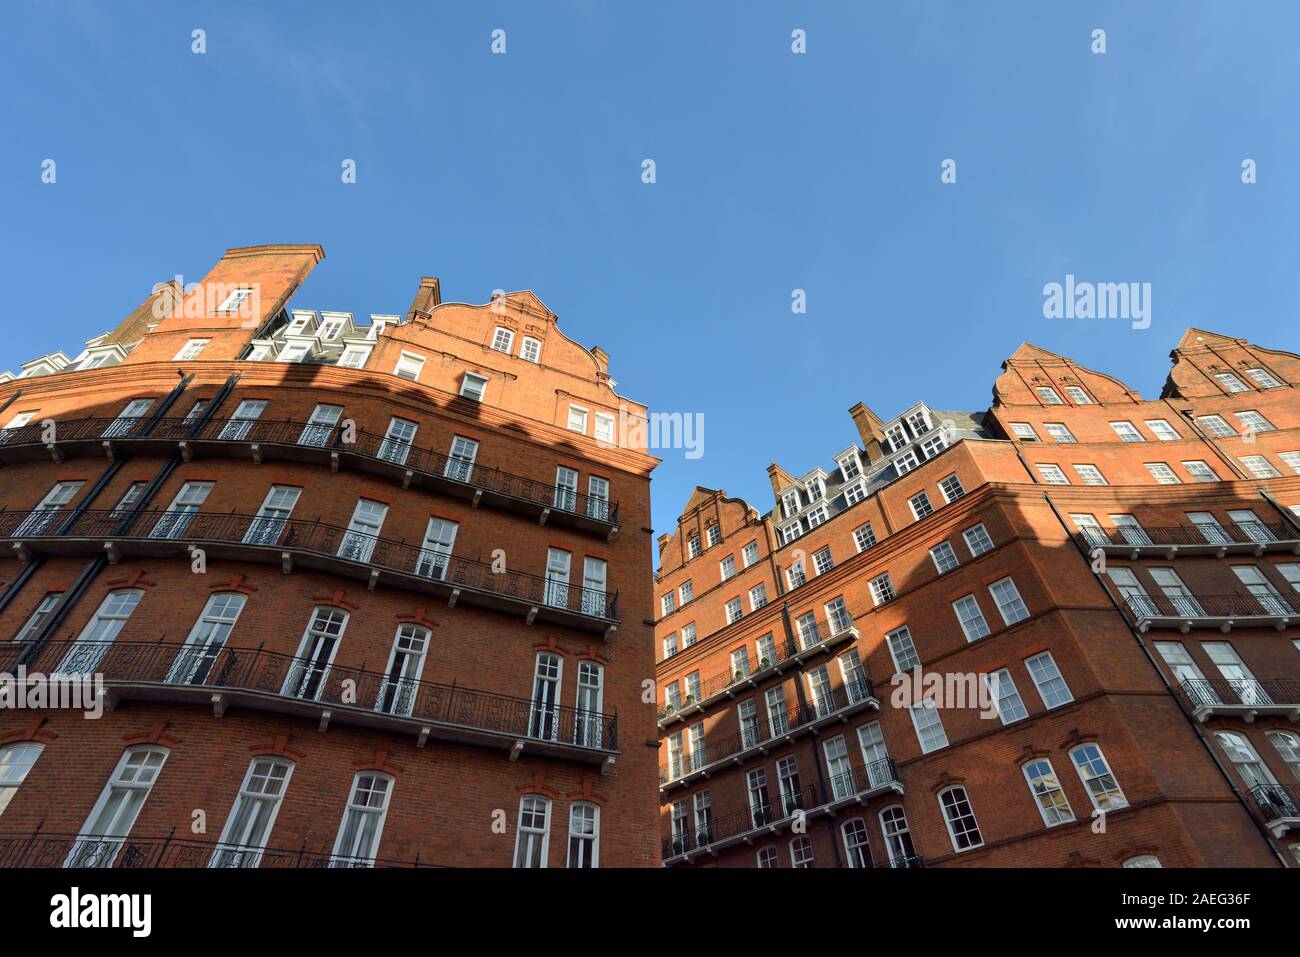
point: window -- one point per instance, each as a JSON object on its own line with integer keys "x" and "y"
{"x": 760, "y": 808}
{"x": 794, "y": 575}
{"x": 703, "y": 818}
{"x": 1263, "y": 378}
{"x": 241, "y": 423}
{"x": 933, "y": 445}
{"x": 363, "y": 821}
{"x": 1097, "y": 778}
{"x": 460, "y": 464}
{"x": 733, "y": 610}
{"x": 918, "y": 422}
{"x": 1216, "y": 426}
{"x": 1162, "y": 473}
{"x": 822, "y": 562}
{"x": 128, "y": 418}
{"x": 530, "y": 350}
{"x": 249, "y": 824}
{"x": 1053, "y": 475}
{"x": 960, "y": 818}
{"x": 740, "y": 669}
{"x": 604, "y": 428}
{"x": 114, "y": 814}
{"x": 727, "y": 567}
{"x": 896, "y": 436}
{"x": 837, "y": 767}
{"x": 767, "y": 857}
{"x": 929, "y": 727}
{"x": 920, "y": 504}
{"x": 816, "y": 516}
{"x": 1025, "y": 431}
{"x": 790, "y": 532}
{"x": 1259, "y": 466}
{"x": 1006, "y": 698}
{"x": 790, "y": 503}
{"x": 330, "y": 329}
{"x": 679, "y": 823}
{"x": 17, "y": 422}
{"x": 1270, "y": 602}
{"x": 1252, "y": 421}
{"x": 977, "y": 540}
{"x": 1127, "y": 431}
{"x": 1059, "y": 432}
{"x": 16, "y": 761}
{"x": 401, "y": 682}
{"x": 670, "y": 645}
{"x": 837, "y": 615}
{"x": 311, "y": 666}
{"x": 749, "y": 554}
{"x": 577, "y": 419}
{"x": 397, "y": 444}
{"x": 473, "y": 386}
{"x": 693, "y": 546}
{"x": 714, "y": 535}
{"x": 1288, "y": 749}
{"x": 503, "y": 340}
{"x": 192, "y": 349}
{"x": 882, "y": 589}
{"x": 1142, "y": 860}
{"x": 1008, "y": 600}
{"x": 354, "y": 357}
{"x": 584, "y": 834}
{"x": 566, "y": 488}
{"x": 864, "y": 537}
{"x": 902, "y": 650}
{"x": 544, "y": 707}
{"x": 951, "y": 488}
{"x": 1230, "y": 382}
{"x": 363, "y": 530}
{"x": 854, "y": 493}
{"x": 970, "y": 617}
{"x": 184, "y": 506}
{"x": 1046, "y": 789}
{"x": 1047, "y": 679}
{"x": 557, "y": 579}
{"x": 409, "y": 365}
{"x": 236, "y": 299}
{"x": 49, "y": 601}
{"x": 686, "y": 591}
{"x": 850, "y": 467}
{"x": 816, "y": 490}
{"x": 207, "y": 639}
{"x": 801, "y": 852}
{"x": 97, "y": 636}
{"x": 766, "y": 650}
{"x": 1077, "y": 395}
{"x": 1090, "y": 474}
{"x": 905, "y": 463}
{"x": 318, "y": 428}
{"x": 595, "y": 579}
{"x": 688, "y": 634}
{"x": 898, "y": 839}
{"x": 1201, "y": 471}
{"x": 777, "y": 716}
{"x": 945, "y": 559}
{"x": 1291, "y": 460}
{"x": 757, "y": 596}
{"x": 47, "y": 509}
{"x": 1048, "y": 395}
{"x": 1162, "y": 430}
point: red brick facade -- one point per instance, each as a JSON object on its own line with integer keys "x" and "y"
{"x": 454, "y": 729}
{"x": 1171, "y": 694}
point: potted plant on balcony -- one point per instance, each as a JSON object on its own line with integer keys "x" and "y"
{"x": 765, "y": 662}
{"x": 690, "y": 699}
{"x": 670, "y": 709}
{"x": 740, "y": 675}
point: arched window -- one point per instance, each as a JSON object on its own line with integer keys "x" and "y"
{"x": 584, "y": 835}
{"x": 253, "y": 815}
{"x": 207, "y": 638}
{"x": 1288, "y": 746}
{"x": 320, "y": 642}
{"x": 898, "y": 839}
{"x": 114, "y": 814}
{"x": 1243, "y": 757}
{"x": 363, "y": 820}
{"x": 402, "y": 675}
{"x": 1046, "y": 789}
{"x": 16, "y": 761}
{"x": 767, "y": 857}
{"x": 960, "y": 818}
{"x": 534, "y": 831}
{"x": 97, "y": 636}
{"x": 1143, "y": 860}
{"x": 1098, "y": 781}
{"x": 856, "y": 845}
{"x": 801, "y": 852}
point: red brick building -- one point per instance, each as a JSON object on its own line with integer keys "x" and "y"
{"x": 1062, "y": 632}
{"x": 358, "y": 592}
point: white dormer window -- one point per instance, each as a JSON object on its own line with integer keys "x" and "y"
{"x": 235, "y": 300}
{"x": 577, "y": 419}
{"x": 790, "y": 502}
{"x": 473, "y": 386}
{"x": 531, "y": 349}
{"x": 95, "y": 360}
{"x": 854, "y": 493}
{"x": 192, "y": 349}
{"x": 905, "y": 463}
{"x": 850, "y": 467}
{"x": 298, "y": 325}
{"x": 354, "y": 357}
{"x": 1049, "y": 396}
{"x": 604, "y": 428}
{"x": 897, "y": 436}
{"x": 409, "y": 365}
{"x": 933, "y": 446}
{"x": 259, "y": 353}
{"x": 330, "y": 329}
{"x": 816, "y": 489}
{"x": 919, "y": 422}
{"x": 377, "y": 327}
{"x": 294, "y": 352}
{"x": 503, "y": 340}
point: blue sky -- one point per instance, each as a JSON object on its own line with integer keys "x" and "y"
{"x": 775, "y": 172}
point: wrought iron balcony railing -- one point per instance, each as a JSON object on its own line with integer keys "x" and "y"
{"x": 1217, "y": 539}
{"x": 857, "y": 784}
{"x": 1279, "y": 805}
{"x": 39, "y": 849}
{"x": 796, "y": 720}
{"x": 1211, "y": 611}
{"x": 307, "y": 441}
{"x": 1242, "y": 697}
{"x": 221, "y": 676}
{"x": 753, "y": 668}
{"x": 315, "y": 544}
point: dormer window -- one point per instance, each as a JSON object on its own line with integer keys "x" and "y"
{"x": 473, "y": 387}
{"x": 294, "y": 352}
{"x": 790, "y": 502}
{"x": 503, "y": 340}
{"x": 1077, "y": 395}
{"x": 298, "y": 325}
{"x": 1048, "y": 395}
{"x": 919, "y": 422}
{"x": 259, "y": 353}
{"x": 897, "y": 436}
{"x": 354, "y": 357}
{"x": 905, "y": 463}
{"x": 816, "y": 489}
{"x": 377, "y": 327}
{"x": 850, "y": 467}
{"x": 330, "y": 329}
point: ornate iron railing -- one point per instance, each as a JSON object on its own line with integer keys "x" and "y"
{"x": 1245, "y": 533}
{"x": 713, "y": 751}
{"x": 38, "y": 849}
{"x": 289, "y": 432}
{"x": 1277, "y": 801}
{"x": 808, "y": 798}
{"x": 1210, "y": 606}
{"x": 1241, "y": 692}
{"x": 318, "y": 538}
{"x": 182, "y": 665}
{"x": 782, "y": 651}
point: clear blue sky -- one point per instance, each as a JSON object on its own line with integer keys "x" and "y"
{"x": 775, "y": 171}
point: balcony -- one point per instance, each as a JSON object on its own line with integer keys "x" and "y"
{"x": 221, "y": 677}
{"x": 297, "y": 441}
{"x": 1242, "y": 698}
{"x": 1223, "y": 612}
{"x": 161, "y": 533}
{"x": 1279, "y": 806}
{"x": 714, "y": 755}
{"x": 1249, "y": 538}
{"x": 43, "y": 849}
{"x": 857, "y": 786}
